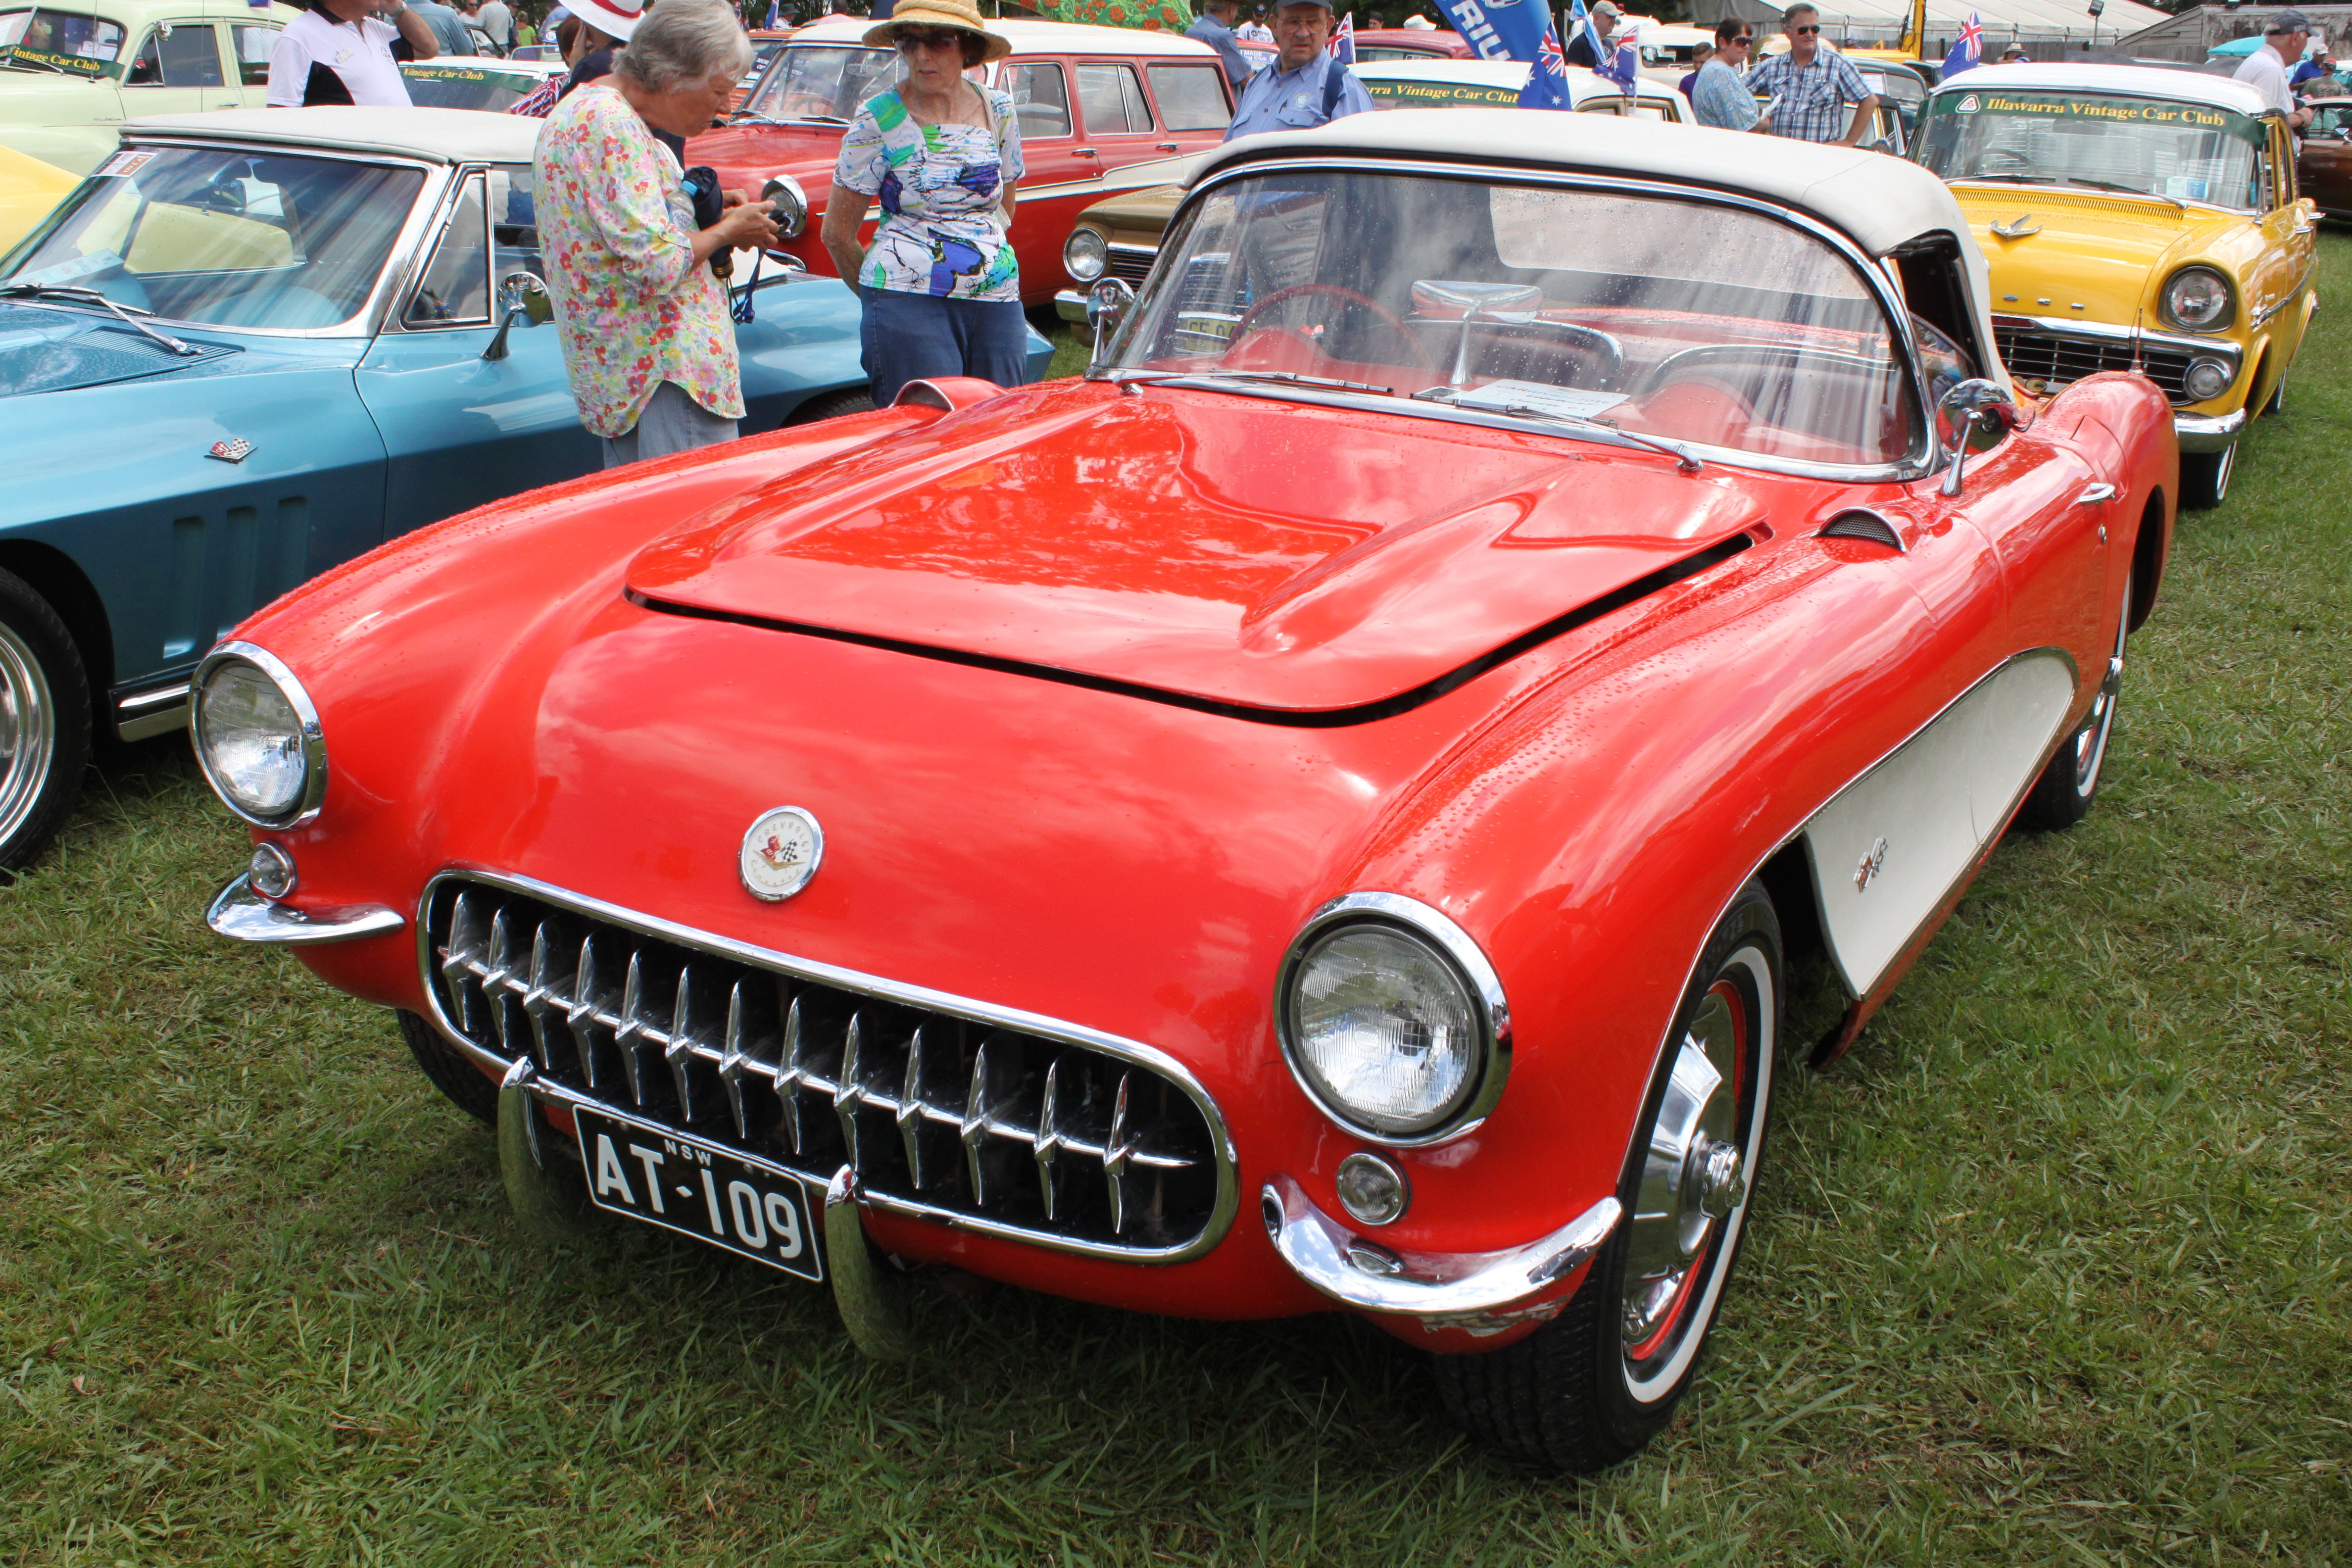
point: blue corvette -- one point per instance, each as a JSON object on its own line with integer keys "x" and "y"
{"x": 256, "y": 343}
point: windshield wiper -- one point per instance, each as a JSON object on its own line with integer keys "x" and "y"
{"x": 1124, "y": 378}
{"x": 1685, "y": 459}
{"x": 2013, "y": 179}
{"x": 745, "y": 117}
{"x": 45, "y": 291}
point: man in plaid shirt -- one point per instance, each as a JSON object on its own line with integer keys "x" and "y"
{"x": 1808, "y": 86}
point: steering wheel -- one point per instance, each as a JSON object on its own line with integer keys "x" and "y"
{"x": 2018, "y": 162}
{"x": 224, "y": 194}
{"x": 1346, "y": 296}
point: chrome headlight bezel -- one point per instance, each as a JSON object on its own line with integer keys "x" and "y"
{"x": 1451, "y": 946}
{"x": 1085, "y": 264}
{"x": 2172, "y": 317}
{"x": 314, "y": 793}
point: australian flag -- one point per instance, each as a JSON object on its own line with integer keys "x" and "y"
{"x": 1517, "y": 30}
{"x": 1624, "y": 66}
{"x": 1342, "y": 46}
{"x": 1968, "y": 49}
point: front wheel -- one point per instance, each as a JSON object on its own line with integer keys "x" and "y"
{"x": 44, "y": 723}
{"x": 833, "y": 406}
{"x": 1593, "y": 1385}
{"x": 2205, "y": 477}
{"x": 2061, "y": 796}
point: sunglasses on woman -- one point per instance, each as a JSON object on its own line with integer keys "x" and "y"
{"x": 1745, "y": 39}
{"x": 911, "y": 43}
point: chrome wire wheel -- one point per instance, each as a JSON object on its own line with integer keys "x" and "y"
{"x": 28, "y": 732}
{"x": 2089, "y": 745}
{"x": 1693, "y": 1192}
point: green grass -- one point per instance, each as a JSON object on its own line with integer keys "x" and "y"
{"x": 2052, "y": 1268}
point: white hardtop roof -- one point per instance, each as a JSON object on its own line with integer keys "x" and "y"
{"x": 133, "y": 13}
{"x": 2129, "y": 81}
{"x": 442, "y": 135}
{"x": 1880, "y": 202}
{"x": 1582, "y": 84}
{"x": 1027, "y": 38}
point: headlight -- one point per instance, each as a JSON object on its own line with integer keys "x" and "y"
{"x": 2196, "y": 299}
{"x": 1393, "y": 1020}
{"x": 257, "y": 736}
{"x": 2207, "y": 378}
{"x": 1084, "y": 254}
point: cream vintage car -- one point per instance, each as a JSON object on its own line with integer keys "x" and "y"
{"x": 2136, "y": 217}
{"x": 70, "y": 74}
{"x": 1120, "y": 236}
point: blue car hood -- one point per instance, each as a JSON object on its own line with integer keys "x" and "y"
{"x": 58, "y": 351}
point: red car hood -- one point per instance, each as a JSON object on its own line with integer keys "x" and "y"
{"x": 1218, "y": 547}
{"x": 807, "y": 153}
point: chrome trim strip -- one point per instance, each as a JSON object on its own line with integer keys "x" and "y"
{"x": 1376, "y": 907}
{"x": 2209, "y": 432}
{"x": 314, "y": 740}
{"x": 1228, "y": 1198}
{"x": 1327, "y": 1255}
{"x": 2102, "y": 332}
{"x": 143, "y": 715}
{"x": 241, "y": 915}
{"x": 1921, "y": 460}
{"x": 1071, "y": 306}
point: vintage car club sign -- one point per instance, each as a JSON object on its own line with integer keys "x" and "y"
{"x": 781, "y": 853}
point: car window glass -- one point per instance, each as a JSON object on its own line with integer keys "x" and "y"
{"x": 227, "y": 239}
{"x": 1108, "y": 98}
{"x": 251, "y": 44}
{"x": 823, "y": 82}
{"x": 2185, "y": 152}
{"x": 67, "y": 41}
{"x": 444, "y": 84}
{"x": 514, "y": 222}
{"x": 1041, "y": 99}
{"x": 186, "y": 55}
{"x": 1192, "y": 98}
{"x": 456, "y": 288}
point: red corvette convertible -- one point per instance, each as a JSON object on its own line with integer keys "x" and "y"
{"x": 1313, "y": 815}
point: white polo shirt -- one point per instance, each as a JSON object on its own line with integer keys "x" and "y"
{"x": 358, "y": 52}
{"x": 2266, "y": 72}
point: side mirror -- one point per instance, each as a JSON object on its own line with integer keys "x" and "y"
{"x": 792, "y": 203}
{"x": 1878, "y": 144}
{"x": 1107, "y": 303}
{"x": 521, "y": 297}
{"x": 1972, "y": 416}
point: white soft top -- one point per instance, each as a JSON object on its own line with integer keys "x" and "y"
{"x": 1027, "y": 38}
{"x": 439, "y": 135}
{"x": 2124, "y": 81}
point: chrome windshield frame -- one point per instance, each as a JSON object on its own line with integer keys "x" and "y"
{"x": 1917, "y": 463}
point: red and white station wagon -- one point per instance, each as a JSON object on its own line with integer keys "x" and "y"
{"x": 1092, "y": 101}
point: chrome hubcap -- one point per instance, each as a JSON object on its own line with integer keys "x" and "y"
{"x": 1694, "y": 1175}
{"x": 28, "y": 733}
{"x": 2091, "y": 741}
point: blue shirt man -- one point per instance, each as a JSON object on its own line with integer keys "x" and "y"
{"x": 1215, "y": 29}
{"x": 1304, "y": 86}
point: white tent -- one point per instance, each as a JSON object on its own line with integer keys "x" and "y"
{"x": 2004, "y": 21}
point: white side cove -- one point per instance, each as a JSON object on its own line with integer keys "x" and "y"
{"x": 1890, "y": 845}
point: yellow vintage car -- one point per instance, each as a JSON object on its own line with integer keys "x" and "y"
{"x": 30, "y": 191}
{"x": 2136, "y": 216}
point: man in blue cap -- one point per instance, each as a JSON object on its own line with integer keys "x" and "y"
{"x": 1304, "y": 86}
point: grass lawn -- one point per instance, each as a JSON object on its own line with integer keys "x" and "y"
{"x": 2052, "y": 1268}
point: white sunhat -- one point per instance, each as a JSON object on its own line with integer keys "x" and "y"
{"x": 614, "y": 18}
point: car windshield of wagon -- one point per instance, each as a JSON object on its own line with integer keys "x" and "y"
{"x": 226, "y": 238}
{"x": 2185, "y": 151}
{"x": 1671, "y": 317}
{"x": 823, "y": 81}
{"x": 466, "y": 86}
{"x": 66, "y": 42}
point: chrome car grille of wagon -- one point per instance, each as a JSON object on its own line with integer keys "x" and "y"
{"x": 2059, "y": 361}
{"x": 1009, "y": 1124}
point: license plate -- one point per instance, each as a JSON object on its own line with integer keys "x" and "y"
{"x": 700, "y": 1190}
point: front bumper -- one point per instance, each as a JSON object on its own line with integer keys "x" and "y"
{"x": 1071, "y": 306}
{"x": 2207, "y": 432}
{"x": 240, "y": 914}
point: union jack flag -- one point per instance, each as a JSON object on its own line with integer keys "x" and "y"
{"x": 1550, "y": 58}
{"x": 1968, "y": 49}
{"x": 1342, "y": 46}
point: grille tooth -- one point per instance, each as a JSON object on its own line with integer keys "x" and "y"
{"x": 1037, "y": 1136}
{"x": 2063, "y": 360}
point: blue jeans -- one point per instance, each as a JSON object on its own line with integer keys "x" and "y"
{"x": 912, "y": 337}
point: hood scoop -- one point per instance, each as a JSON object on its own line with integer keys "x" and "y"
{"x": 1299, "y": 564}
{"x": 58, "y": 351}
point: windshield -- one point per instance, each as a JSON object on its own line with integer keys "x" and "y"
{"x": 2187, "y": 152}
{"x": 823, "y": 81}
{"x": 226, "y": 238}
{"x": 1675, "y": 319}
{"x": 64, "y": 41}
{"x": 466, "y": 86}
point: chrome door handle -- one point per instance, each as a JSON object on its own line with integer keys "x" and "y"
{"x": 2093, "y": 494}
{"x": 1084, "y": 152}
{"x": 1165, "y": 147}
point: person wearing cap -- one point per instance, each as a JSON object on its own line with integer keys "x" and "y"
{"x": 2320, "y": 64}
{"x": 344, "y": 51}
{"x": 647, "y": 342}
{"x": 1597, "y": 41}
{"x": 1255, "y": 29}
{"x": 940, "y": 285}
{"x": 1215, "y": 29}
{"x": 2284, "y": 38}
{"x": 1809, "y": 86}
{"x": 1304, "y": 86}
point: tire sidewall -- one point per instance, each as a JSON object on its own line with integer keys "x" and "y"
{"x": 30, "y": 619}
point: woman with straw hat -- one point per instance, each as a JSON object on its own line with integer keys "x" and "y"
{"x": 942, "y": 155}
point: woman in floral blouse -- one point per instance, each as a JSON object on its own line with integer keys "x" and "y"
{"x": 647, "y": 342}
{"x": 941, "y": 290}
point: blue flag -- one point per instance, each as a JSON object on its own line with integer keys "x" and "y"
{"x": 1968, "y": 49}
{"x": 770, "y": 23}
{"x": 1515, "y": 30}
{"x": 1624, "y": 66}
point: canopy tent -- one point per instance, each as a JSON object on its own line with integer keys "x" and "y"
{"x": 2005, "y": 21}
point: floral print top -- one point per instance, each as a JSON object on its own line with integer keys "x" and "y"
{"x": 632, "y": 305}
{"x": 942, "y": 229}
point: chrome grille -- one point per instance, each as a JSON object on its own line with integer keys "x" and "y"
{"x": 955, "y": 1117}
{"x": 1132, "y": 262}
{"x": 2061, "y": 360}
